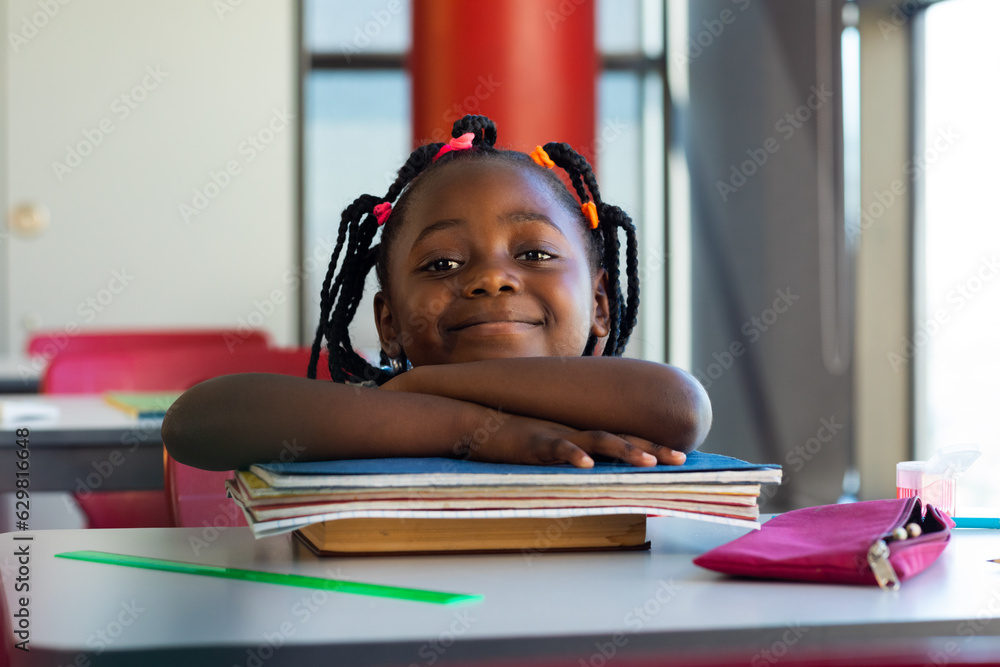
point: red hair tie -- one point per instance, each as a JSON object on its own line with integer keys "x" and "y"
{"x": 382, "y": 212}
{"x": 590, "y": 211}
{"x": 461, "y": 143}
{"x": 541, "y": 158}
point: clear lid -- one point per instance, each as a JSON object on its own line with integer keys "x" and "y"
{"x": 952, "y": 461}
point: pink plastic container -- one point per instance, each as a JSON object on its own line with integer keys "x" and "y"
{"x": 933, "y": 488}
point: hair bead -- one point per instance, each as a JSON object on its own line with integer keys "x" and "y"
{"x": 542, "y": 158}
{"x": 382, "y": 212}
{"x": 460, "y": 143}
{"x": 590, "y": 211}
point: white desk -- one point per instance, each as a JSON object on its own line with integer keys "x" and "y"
{"x": 89, "y": 439}
{"x": 552, "y": 608}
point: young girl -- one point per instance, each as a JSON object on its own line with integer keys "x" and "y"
{"x": 501, "y": 322}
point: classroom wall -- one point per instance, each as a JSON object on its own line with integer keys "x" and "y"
{"x": 161, "y": 140}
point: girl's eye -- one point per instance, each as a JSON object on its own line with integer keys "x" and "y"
{"x": 441, "y": 265}
{"x": 535, "y": 256}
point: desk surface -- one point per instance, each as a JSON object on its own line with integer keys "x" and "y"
{"x": 83, "y": 419}
{"x": 556, "y": 608}
{"x": 88, "y": 436}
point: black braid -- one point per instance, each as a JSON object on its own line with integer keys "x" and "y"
{"x": 343, "y": 289}
{"x": 610, "y": 218}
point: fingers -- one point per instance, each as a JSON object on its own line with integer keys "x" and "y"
{"x": 564, "y": 450}
{"x": 634, "y": 450}
{"x": 665, "y": 455}
{"x": 538, "y": 442}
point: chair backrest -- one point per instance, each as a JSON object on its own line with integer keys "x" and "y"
{"x": 129, "y": 509}
{"x": 51, "y": 344}
{"x": 174, "y": 369}
{"x": 192, "y": 497}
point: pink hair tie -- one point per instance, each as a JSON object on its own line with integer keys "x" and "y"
{"x": 382, "y": 212}
{"x": 461, "y": 143}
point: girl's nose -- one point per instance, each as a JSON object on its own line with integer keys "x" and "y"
{"x": 492, "y": 277}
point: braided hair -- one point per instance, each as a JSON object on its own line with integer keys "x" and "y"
{"x": 342, "y": 290}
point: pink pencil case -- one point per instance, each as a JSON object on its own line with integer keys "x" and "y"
{"x": 873, "y": 542}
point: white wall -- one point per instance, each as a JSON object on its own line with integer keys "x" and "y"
{"x": 115, "y": 114}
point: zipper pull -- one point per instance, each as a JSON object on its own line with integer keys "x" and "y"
{"x": 878, "y": 561}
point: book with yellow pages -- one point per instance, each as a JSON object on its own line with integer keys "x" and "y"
{"x": 355, "y": 506}
{"x": 142, "y": 403}
{"x": 609, "y": 532}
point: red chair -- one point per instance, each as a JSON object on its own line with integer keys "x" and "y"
{"x": 193, "y": 497}
{"x": 51, "y": 344}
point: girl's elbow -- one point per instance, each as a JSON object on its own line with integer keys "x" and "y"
{"x": 687, "y": 409}
{"x": 699, "y": 416}
{"x": 183, "y": 434}
{"x": 176, "y": 433}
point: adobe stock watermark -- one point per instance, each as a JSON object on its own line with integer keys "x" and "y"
{"x": 805, "y": 451}
{"x": 545, "y": 540}
{"x": 31, "y": 25}
{"x": 565, "y": 9}
{"x": 901, "y": 13}
{"x": 473, "y": 442}
{"x": 249, "y": 150}
{"x": 883, "y": 200}
{"x": 121, "y": 108}
{"x": 229, "y": 510}
{"x": 967, "y": 629}
{"x": 105, "y": 637}
{"x": 752, "y": 330}
{"x": 786, "y": 127}
{"x": 432, "y": 651}
{"x": 303, "y": 610}
{"x": 610, "y": 131}
{"x": 263, "y": 309}
{"x": 471, "y": 103}
{"x": 779, "y": 648}
{"x": 88, "y": 310}
{"x": 223, "y": 8}
{"x": 958, "y": 297}
{"x": 712, "y": 29}
{"x": 147, "y": 430}
{"x": 635, "y": 620}
{"x": 363, "y": 35}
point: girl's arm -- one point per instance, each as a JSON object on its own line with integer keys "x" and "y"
{"x": 653, "y": 401}
{"x": 235, "y": 420}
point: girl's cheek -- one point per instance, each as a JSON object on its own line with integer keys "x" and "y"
{"x": 418, "y": 322}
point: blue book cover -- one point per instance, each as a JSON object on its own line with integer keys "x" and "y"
{"x": 696, "y": 462}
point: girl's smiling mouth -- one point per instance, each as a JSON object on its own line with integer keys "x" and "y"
{"x": 495, "y": 328}
{"x": 495, "y": 323}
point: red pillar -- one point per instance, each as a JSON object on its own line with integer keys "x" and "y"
{"x": 530, "y": 65}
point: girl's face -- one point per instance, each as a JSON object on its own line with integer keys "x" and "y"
{"x": 488, "y": 264}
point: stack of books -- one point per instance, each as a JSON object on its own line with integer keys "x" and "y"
{"x": 431, "y": 505}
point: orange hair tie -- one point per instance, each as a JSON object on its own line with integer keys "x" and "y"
{"x": 541, "y": 158}
{"x": 590, "y": 211}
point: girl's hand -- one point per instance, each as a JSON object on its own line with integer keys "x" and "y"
{"x": 508, "y": 438}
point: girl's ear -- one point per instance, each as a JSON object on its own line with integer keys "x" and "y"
{"x": 601, "y": 324}
{"x": 386, "y": 327}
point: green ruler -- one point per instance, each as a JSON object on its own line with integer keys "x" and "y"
{"x": 339, "y": 586}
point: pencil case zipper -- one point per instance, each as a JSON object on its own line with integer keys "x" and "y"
{"x": 880, "y": 554}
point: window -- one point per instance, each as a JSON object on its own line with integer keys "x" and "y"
{"x": 357, "y": 130}
{"x": 357, "y": 134}
{"x": 957, "y": 286}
